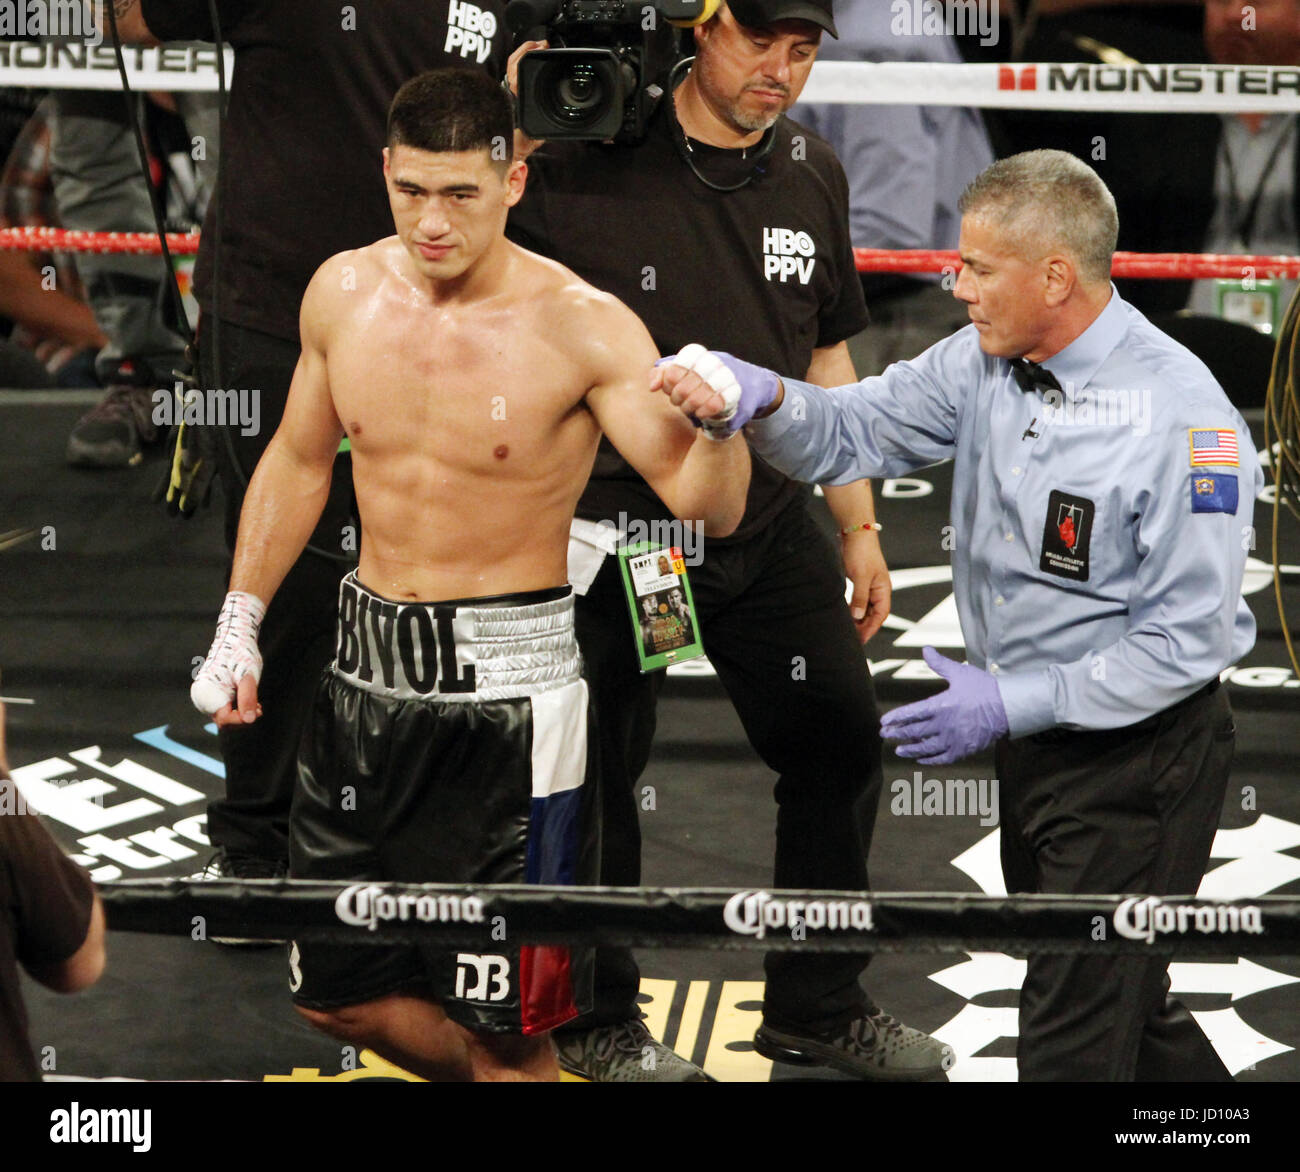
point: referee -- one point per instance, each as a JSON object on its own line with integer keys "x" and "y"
{"x": 1102, "y": 495}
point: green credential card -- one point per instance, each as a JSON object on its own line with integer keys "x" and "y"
{"x": 660, "y": 605}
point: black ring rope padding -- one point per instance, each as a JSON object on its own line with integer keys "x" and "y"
{"x": 699, "y": 917}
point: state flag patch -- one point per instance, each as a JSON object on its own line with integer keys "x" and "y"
{"x": 1213, "y": 445}
{"x": 1214, "y": 492}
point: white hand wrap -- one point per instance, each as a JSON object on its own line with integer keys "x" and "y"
{"x": 720, "y": 379}
{"x": 233, "y": 653}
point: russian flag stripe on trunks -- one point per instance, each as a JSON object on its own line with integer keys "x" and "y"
{"x": 559, "y": 758}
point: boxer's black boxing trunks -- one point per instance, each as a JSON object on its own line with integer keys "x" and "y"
{"x": 447, "y": 744}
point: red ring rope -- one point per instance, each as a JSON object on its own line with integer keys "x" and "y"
{"x": 1166, "y": 265}
{"x": 70, "y": 240}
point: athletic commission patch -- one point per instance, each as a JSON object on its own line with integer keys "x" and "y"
{"x": 1214, "y": 492}
{"x": 1067, "y": 533}
{"x": 1213, "y": 445}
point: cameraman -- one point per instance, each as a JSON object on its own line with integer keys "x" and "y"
{"x": 730, "y": 222}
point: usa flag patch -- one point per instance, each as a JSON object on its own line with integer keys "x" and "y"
{"x": 1213, "y": 445}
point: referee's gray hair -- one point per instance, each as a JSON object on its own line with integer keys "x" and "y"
{"x": 1047, "y": 200}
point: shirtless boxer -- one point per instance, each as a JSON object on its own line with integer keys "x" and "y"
{"x": 473, "y": 379}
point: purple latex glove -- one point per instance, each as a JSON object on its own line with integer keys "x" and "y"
{"x": 745, "y": 388}
{"x": 966, "y": 718}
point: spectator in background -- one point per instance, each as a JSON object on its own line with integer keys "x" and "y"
{"x": 1213, "y": 182}
{"x": 98, "y": 186}
{"x": 17, "y": 105}
{"x": 51, "y": 922}
{"x": 1107, "y": 30}
{"x": 906, "y": 166}
{"x": 51, "y": 327}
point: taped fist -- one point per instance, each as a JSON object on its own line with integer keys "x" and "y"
{"x": 717, "y": 391}
{"x": 226, "y": 685}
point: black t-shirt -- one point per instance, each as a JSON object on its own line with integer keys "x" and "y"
{"x": 765, "y": 272}
{"x": 301, "y": 178}
{"x": 45, "y": 904}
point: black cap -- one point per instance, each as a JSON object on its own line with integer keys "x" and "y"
{"x": 761, "y": 13}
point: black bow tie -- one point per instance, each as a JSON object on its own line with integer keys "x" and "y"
{"x": 1030, "y": 375}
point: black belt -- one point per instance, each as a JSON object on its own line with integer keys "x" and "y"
{"x": 1057, "y": 736}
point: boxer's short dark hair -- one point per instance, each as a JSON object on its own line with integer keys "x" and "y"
{"x": 452, "y": 110}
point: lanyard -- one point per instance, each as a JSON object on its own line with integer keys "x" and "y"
{"x": 684, "y": 148}
{"x": 1244, "y": 224}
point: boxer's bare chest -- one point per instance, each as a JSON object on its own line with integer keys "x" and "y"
{"x": 484, "y": 390}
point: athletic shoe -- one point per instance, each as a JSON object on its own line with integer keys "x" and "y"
{"x": 110, "y": 434}
{"x": 879, "y": 1047}
{"x": 625, "y": 1052}
{"x": 228, "y": 865}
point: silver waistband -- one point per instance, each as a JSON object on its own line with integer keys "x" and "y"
{"x": 477, "y": 649}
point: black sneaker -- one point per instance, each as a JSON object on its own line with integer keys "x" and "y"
{"x": 626, "y": 1052}
{"x": 230, "y": 865}
{"x": 878, "y": 1047}
{"x": 111, "y": 433}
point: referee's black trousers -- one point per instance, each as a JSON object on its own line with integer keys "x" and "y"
{"x": 1126, "y": 811}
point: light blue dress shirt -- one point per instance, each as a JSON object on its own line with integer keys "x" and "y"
{"x": 1159, "y": 613}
